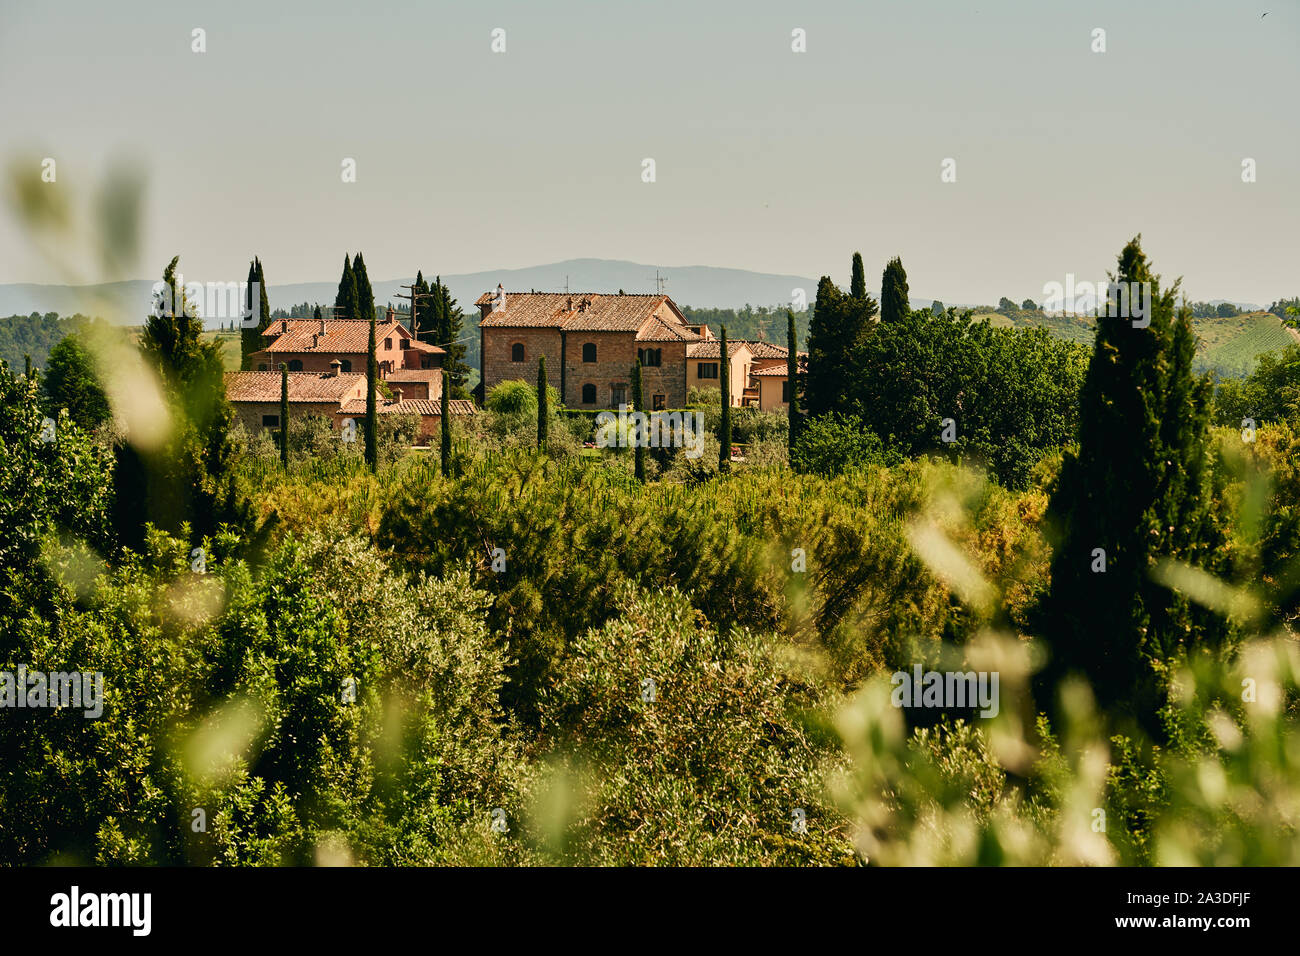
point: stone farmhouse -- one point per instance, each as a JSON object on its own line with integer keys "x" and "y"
{"x": 335, "y": 396}
{"x": 326, "y": 359}
{"x": 591, "y": 340}
{"x": 314, "y": 345}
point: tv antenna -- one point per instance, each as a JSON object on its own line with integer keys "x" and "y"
{"x": 660, "y": 282}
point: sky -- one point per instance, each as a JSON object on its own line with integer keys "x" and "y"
{"x": 765, "y": 158}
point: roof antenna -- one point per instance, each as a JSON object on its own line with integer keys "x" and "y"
{"x": 660, "y": 282}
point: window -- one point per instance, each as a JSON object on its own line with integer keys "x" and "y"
{"x": 707, "y": 370}
{"x": 618, "y": 396}
{"x": 261, "y": 367}
{"x": 388, "y": 345}
{"x": 270, "y": 421}
{"x": 785, "y": 391}
{"x": 295, "y": 366}
{"x": 517, "y": 352}
{"x": 660, "y": 403}
{"x": 345, "y": 365}
{"x": 589, "y": 394}
{"x": 651, "y": 358}
{"x": 589, "y": 352}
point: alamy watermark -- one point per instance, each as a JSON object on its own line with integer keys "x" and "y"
{"x": 653, "y": 430}
{"x": 57, "y": 689}
{"x": 210, "y": 300}
{"x": 946, "y": 689}
{"x": 1127, "y": 300}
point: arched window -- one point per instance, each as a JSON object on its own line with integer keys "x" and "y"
{"x": 345, "y": 365}
{"x": 589, "y": 394}
{"x": 589, "y": 352}
{"x": 295, "y": 366}
{"x": 517, "y": 352}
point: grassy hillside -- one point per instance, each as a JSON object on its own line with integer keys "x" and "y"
{"x": 1230, "y": 346}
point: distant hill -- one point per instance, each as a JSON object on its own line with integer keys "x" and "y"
{"x": 699, "y": 286}
{"x": 1228, "y": 345}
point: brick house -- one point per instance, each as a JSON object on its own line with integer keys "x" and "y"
{"x": 255, "y": 396}
{"x": 704, "y": 367}
{"x": 591, "y": 342}
{"x": 313, "y": 345}
{"x": 429, "y": 412}
{"x": 768, "y": 375}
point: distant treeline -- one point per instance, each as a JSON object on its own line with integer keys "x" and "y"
{"x": 34, "y": 335}
{"x": 762, "y": 323}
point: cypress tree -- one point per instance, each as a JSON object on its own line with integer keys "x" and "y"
{"x": 543, "y": 411}
{"x": 638, "y": 405}
{"x": 264, "y": 303}
{"x": 250, "y": 336}
{"x": 724, "y": 376}
{"x": 365, "y": 294}
{"x": 345, "y": 302}
{"x": 27, "y": 367}
{"x": 372, "y": 411}
{"x": 792, "y": 377}
{"x": 446, "y": 426}
{"x": 450, "y": 321}
{"x": 839, "y": 325}
{"x": 316, "y": 314}
{"x": 858, "y": 281}
{"x": 893, "y": 291}
{"x": 284, "y": 415}
{"x": 421, "y": 308}
{"x": 1137, "y": 491}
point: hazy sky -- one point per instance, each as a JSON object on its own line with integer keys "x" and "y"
{"x": 766, "y": 159}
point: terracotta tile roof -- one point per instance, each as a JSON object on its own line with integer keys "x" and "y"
{"x": 657, "y": 330}
{"x": 424, "y": 347}
{"x": 341, "y": 335}
{"x": 776, "y": 371}
{"x": 303, "y": 386}
{"x": 713, "y": 349}
{"x": 414, "y": 375}
{"x": 408, "y": 406}
{"x": 584, "y": 312}
{"x": 764, "y": 350}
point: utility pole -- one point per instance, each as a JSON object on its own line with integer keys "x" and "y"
{"x": 414, "y": 296}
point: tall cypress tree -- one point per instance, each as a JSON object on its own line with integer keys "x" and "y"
{"x": 365, "y": 294}
{"x": 724, "y": 377}
{"x": 421, "y": 309}
{"x": 825, "y": 345}
{"x": 450, "y": 321}
{"x": 792, "y": 377}
{"x": 446, "y": 426}
{"x": 372, "y": 410}
{"x": 638, "y": 405}
{"x": 345, "y": 302}
{"x": 316, "y": 314}
{"x": 250, "y": 336}
{"x": 893, "y": 291}
{"x": 284, "y": 415}
{"x": 858, "y": 280}
{"x": 264, "y": 303}
{"x": 1138, "y": 490}
{"x": 543, "y": 411}
{"x": 839, "y": 325}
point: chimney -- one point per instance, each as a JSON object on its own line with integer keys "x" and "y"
{"x": 397, "y": 395}
{"x": 322, "y": 327}
{"x": 499, "y": 299}
{"x": 335, "y": 367}
{"x": 284, "y": 326}
{"x": 390, "y": 314}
